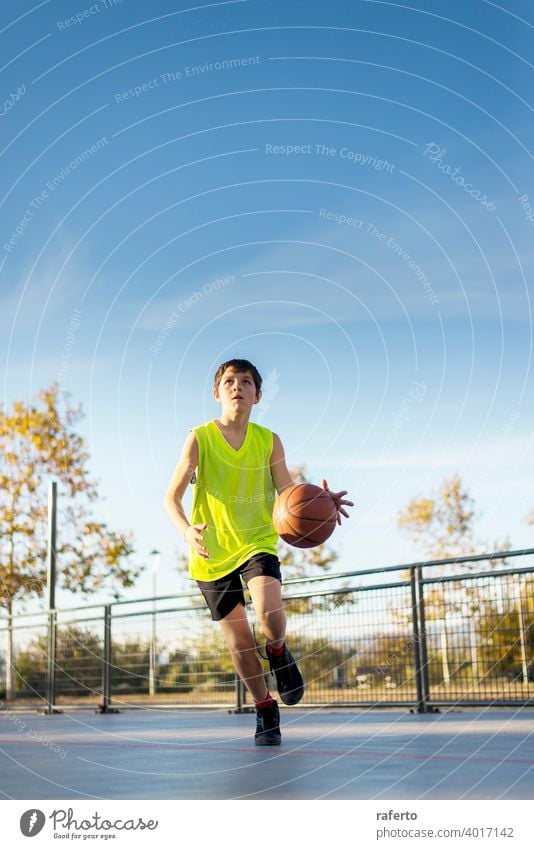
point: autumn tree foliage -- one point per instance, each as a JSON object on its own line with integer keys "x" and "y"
{"x": 444, "y": 525}
{"x": 39, "y": 442}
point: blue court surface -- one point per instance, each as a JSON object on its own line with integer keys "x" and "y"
{"x": 325, "y": 754}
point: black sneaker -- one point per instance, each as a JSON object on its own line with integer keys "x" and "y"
{"x": 268, "y": 726}
{"x": 288, "y": 678}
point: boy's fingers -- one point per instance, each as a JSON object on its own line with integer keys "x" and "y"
{"x": 200, "y": 547}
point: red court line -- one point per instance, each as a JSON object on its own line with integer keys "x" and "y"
{"x": 309, "y": 752}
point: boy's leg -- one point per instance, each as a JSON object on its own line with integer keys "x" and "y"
{"x": 242, "y": 648}
{"x": 226, "y": 602}
{"x": 266, "y": 594}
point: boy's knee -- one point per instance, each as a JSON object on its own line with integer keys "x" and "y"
{"x": 264, "y": 617}
{"x": 241, "y": 643}
{"x": 270, "y": 618}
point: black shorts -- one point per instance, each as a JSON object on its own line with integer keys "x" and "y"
{"x": 223, "y": 594}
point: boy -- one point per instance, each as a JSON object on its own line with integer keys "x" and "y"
{"x": 239, "y": 467}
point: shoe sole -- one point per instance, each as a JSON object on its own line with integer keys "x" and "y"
{"x": 289, "y": 699}
{"x": 261, "y": 742}
{"x": 294, "y": 696}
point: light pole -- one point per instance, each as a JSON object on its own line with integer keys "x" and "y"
{"x": 51, "y": 587}
{"x": 153, "y": 670}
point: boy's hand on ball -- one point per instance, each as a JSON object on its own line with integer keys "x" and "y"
{"x": 338, "y": 501}
{"x": 194, "y": 538}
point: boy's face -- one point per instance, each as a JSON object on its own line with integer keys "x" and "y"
{"x": 237, "y": 391}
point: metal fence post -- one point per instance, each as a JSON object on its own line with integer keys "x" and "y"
{"x": 420, "y": 706}
{"x": 238, "y": 694}
{"x": 422, "y": 634}
{"x": 105, "y": 707}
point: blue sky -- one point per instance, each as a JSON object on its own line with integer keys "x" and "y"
{"x": 339, "y": 192}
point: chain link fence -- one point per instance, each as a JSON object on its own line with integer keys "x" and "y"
{"x": 420, "y": 635}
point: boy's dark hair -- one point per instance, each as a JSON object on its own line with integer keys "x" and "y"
{"x": 241, "y": 366}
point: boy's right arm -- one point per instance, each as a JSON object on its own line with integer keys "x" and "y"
{"x": 182, "y": 475}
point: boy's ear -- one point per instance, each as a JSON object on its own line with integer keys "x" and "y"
{"x": 258, "y": 397}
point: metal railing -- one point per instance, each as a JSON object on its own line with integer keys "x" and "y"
{"x": 417, "y": 635}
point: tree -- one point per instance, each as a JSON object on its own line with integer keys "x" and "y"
{"x": 39, "y": 442}
{"x": 78, "y": 663}
{"x": 444, "y": 526}
{"x": 507, "y": 634}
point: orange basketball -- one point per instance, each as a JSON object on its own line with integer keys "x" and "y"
{"x": 304, "y": 515}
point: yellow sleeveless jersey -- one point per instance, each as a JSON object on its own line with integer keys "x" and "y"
{"x": 234, "y": 493}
